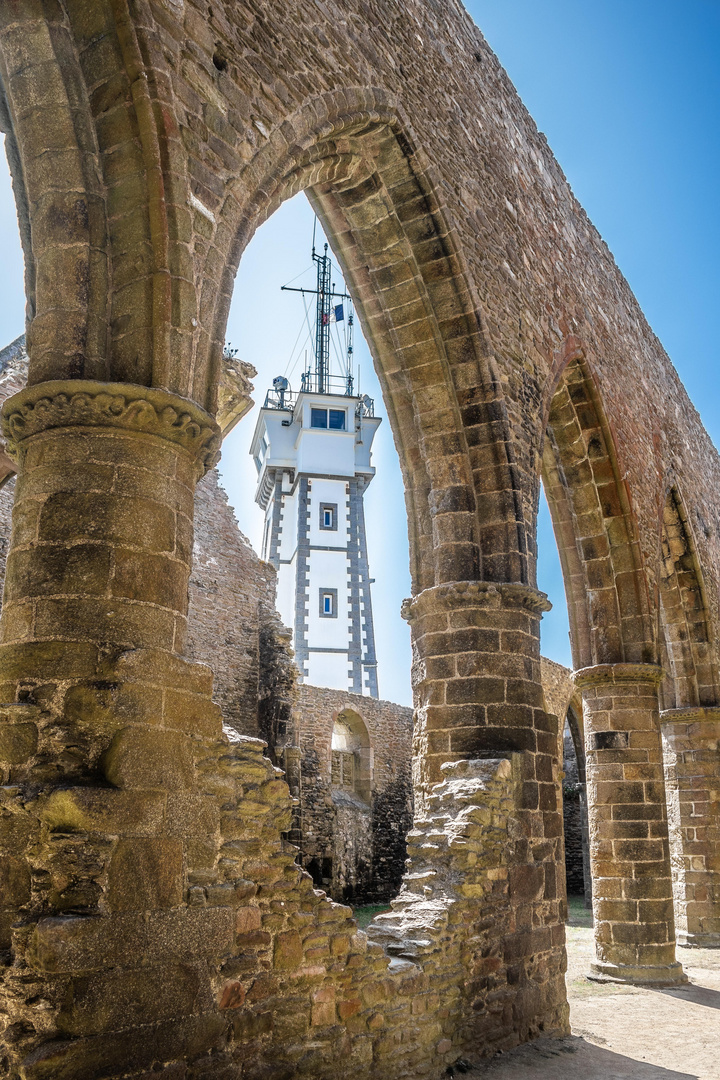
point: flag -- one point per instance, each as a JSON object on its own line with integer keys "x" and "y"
{"x": 336, "y": 315}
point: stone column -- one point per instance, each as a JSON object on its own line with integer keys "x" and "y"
{"x": 629, "y": 853}
{"x": 691, "y": 747}
{"x": 478, "y": 695}
{"x": 103, "y": 516}
{"x": 477, "y": 684}
{"x": 94, "y": 613}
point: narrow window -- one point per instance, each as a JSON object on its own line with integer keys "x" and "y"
{"x": 337, "y": 419}
{"x": 319, "y": 418}
{"x": 328, "y": 517}
{"x": 328, "y": 604}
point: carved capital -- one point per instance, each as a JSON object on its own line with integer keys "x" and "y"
{"x": 71, "y": 403}
{"x": 690, "y": 714}
{"x": 488, "y": 594}
{"x": 614, "y": 674}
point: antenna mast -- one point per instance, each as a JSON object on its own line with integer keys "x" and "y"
{"x": 325, "y": 315}
{"x": 322, "y": 328}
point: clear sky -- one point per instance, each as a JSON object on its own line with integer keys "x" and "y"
{"x": 627, "y": 92}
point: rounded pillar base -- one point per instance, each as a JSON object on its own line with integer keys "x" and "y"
{"x": 698, "y": 941}
{"x": 660, "y": 975}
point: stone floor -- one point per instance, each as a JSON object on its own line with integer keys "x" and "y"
{"x": 624, "y": 1033}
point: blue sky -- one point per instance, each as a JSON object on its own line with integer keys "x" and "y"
{"x": 627, "y": 94}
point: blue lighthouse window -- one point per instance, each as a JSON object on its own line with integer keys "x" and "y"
{"x": 328, "y": 604}
{"x": 319, "y": 419}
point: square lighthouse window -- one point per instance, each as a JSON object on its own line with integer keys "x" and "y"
{"x": 328, "y": 517}
{"x": 318, "y": 418}
{"x": 337, "y": 419}
{"x": 328, "y": 603}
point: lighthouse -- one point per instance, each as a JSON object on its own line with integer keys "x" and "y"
{"x": 312, "y": 450}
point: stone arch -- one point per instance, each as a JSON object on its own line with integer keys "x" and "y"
{"x": 54, "y": 158}
{"x": 367, "y": 180}
{"x": 691, "y": 676}
{"x": 594, "y": 528}
{"x": 352, "y": 754}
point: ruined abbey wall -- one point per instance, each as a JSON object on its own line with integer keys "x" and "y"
{"x": 142, "y": 847}
{"x": 354, "y": 844}
{"x": 230, "y": 588}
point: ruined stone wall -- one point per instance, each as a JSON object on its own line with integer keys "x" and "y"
{"x": 355, "y": 848}
{"x": 558, "y": 687}
{"x": 229, "y": 587}
{"x": 573, "y": 819}
{"x": 142, "y": 857}
{"x": 13, "y": 376}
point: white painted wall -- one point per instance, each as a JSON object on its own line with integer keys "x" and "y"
{"x": 321, "y": 451}
{"x": 328, "y": 491}
{"x": 328, "y": 669}
{"x": 288, "y": 526}
{"x": 286, "y": 594}
{"x": 328, "y": 570}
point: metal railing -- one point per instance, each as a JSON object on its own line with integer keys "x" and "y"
{"x": 287, "y": 399}
{"x": 312, "y": 383}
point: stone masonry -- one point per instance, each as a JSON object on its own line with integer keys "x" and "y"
{"x": 154, "y": 918}
{"x": 355, "y": 845}
{"x": 234, "y": 628}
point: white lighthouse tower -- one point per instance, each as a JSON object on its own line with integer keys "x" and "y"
{"x": 312, "y": 453}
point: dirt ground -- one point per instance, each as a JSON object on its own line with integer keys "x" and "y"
{"x": 624, "y": 1033}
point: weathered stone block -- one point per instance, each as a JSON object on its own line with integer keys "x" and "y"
{"x": 192, "y": 815}
{"x": 158, "y": 667}
{"x": 118, "y": 999}
{"x": 142, "y": 758}
{"x": 288, "y": 950}
{"x": 18, "y": 742}
{"x": 145, "y": 874}
{"x": 113, "y": 703}
{"x": 14, "y": 882}
{"x": 104, "y": 810}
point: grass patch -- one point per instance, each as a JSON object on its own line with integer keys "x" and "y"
{"x": 578, "y": 914}
{"x": 366, "y": 914}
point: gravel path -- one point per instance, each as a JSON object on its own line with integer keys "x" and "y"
{"x": 624, "y": 1033}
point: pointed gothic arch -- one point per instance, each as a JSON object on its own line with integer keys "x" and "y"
{"x": 378, "y": 203}
{"x": 689, "y": 654}
{"x": 606, "y": 588}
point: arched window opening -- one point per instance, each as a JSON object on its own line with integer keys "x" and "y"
{"x": 575, "y": 820}
{"x": 691, "y": 678}
{"x": 352, "y": 764}
{"x": 599, "y": 552}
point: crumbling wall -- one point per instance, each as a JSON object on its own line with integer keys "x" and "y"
{"x": 330, "y": 828}
{"x": 574, "y": 826}
{"x": 13, "y": 376}
{"x": 228, "y": 586}
{"x": 278, "y": 681}
{"x": 239, "y": 966}
{"x": 558, "y": 687}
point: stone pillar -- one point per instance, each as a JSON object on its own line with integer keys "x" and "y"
{"x": 102, "y": 523}
{"x": 629, "y": 853}
{"x": 95, "y": 604}
{"x": 477, "y": 684}
{"x": 691, "y": 747}
{"x": 478, "y": 695}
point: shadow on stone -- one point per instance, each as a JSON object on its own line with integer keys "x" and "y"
{"x": 699, "y": 995}
{"x": 566, "y": 1059}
